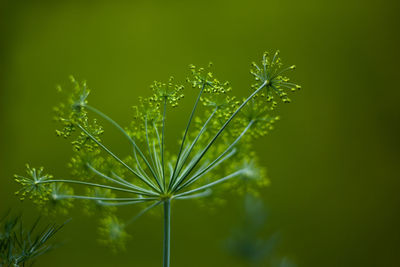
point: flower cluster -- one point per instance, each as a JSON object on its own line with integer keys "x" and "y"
{"x": 214, "y": 153}
{"x": 169, "y": 92}
{"x": 35, "y": 185}
{"x": 72, "y": 111}
{"x": 271, "y": 74}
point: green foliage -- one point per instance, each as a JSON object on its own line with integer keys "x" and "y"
{"x": 20, "y": 246}
{"x": 216, "y": 151}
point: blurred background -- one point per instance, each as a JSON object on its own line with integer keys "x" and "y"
{"x": 333, "y": 159}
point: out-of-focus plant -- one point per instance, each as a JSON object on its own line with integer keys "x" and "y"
{"x": 215, "y": 151}
{"x": 21, "y": 246}
{"x": 246, "y": 242}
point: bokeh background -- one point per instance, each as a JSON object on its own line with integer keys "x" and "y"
{"x": 333, "y": 159}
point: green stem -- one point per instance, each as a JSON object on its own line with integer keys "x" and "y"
{"x": 184, "y": 137}
{"x": 167, "y": 232}
{"x": 162, "y": 143}
{"x": 230, "y": 176}
{"x": 100, "y": 198}
{"x": 186, "y": 155}
{"x": 124, "y": 203}
{"x": 148, "y": 141}
{"x": 91, "y": 184}
{"x": 205, "y": 193}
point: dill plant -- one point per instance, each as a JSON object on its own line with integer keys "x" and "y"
{"x": 20, "y": 245}
{"x": 214, "y": 153}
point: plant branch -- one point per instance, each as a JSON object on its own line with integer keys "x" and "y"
{"x": 162, "y": 143}
{"x": 156, "y": 177}
{"x": 99, "y": 198}
{"x": 186, "y": 155}
{"x": 205, "y": 193}
{"x": 230, "y": 176}
{"x": 90, "y": 184}
{"x": 125, "y": 203}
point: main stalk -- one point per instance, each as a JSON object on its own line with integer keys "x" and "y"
{"x": 167, "y": 232}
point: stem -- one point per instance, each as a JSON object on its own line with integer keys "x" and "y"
{"x": 186, "y": 155}
{"x": 100, "y": 198}
{"x": 91, "y": 184}
{"x": 156, "y": 154}
{"x": 167, "y": 232}
{"x": 124, "y": 203}
{"x": 150, "y": 153}
{"x": 184, "y": 136}
{"x": 205, "y": 193}
{"x": 230, "y": 176}
{"x": 148, "y": 142}
{"x": 162, "y": 143}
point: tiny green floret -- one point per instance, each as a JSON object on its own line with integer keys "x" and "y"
{"x": 214, "y": 153}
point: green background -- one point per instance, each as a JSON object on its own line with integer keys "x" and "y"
{"x": 333, "y": 159}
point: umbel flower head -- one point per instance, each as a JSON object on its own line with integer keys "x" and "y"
{"x": 169, "y": 92}
{"x": 271, "y": 72}
{"x": 214, "y": 153}
{"x": 34, "y": 185}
